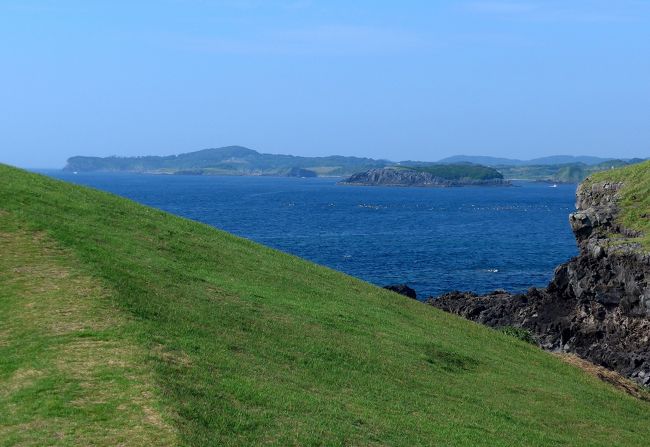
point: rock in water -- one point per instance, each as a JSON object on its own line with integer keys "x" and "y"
{"x": 301, "y": 172}
{"x": 402, "y": 289}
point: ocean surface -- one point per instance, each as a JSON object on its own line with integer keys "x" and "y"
{"x": 435, "y": 240}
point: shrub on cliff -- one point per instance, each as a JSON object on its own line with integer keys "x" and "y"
{"x": 520, "y": 333}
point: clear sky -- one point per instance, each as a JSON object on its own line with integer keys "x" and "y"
{"x": 386, "y": 79}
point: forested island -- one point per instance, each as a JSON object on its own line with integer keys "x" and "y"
{"x": 230, "y": 160}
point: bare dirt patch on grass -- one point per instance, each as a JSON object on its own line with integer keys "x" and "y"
{"x": 606, "y": 375}
{"x": 69, "y": 373}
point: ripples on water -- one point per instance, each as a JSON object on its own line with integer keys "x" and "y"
{"x": 436, "y": 240}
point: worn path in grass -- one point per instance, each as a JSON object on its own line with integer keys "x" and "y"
{"x": 68, "y": 375}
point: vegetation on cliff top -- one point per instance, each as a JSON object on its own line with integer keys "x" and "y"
{"x": 635, "y": 197}
{"x": 120, "y": 321}
{"x": 459, "y": 171}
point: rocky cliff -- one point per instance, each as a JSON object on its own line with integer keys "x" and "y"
{"x": 597, "y": 305}
{"x": 442, "y": 176}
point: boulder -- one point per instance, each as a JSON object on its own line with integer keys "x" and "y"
{"x": 402, "y": 289}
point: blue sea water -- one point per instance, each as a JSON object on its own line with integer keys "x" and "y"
{"x": 436, "y": 240}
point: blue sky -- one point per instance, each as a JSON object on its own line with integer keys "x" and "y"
{"x": 397, "y": 80}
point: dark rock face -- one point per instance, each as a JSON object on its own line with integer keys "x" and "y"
{"x": 402, "y": 289}
{"x": 411, "y": 177}
{"x": 597, "y": 305}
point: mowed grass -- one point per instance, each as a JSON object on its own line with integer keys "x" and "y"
{"x": 635, "y": 197}
{"x": 249, "y": 346}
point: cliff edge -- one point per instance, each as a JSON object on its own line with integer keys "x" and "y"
{"x": 598, "y": 304}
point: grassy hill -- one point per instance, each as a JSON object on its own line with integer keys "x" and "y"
{"x": 122, "y": 324}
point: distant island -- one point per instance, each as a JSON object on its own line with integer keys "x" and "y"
{"x": 429, "y": 176}
{"x": 230, "y": 160}
{"x": 238, "y": 160}
{"x": 561, "y": 173}
{"x": 553, "y": 169}
{"x": 542, "y": 161}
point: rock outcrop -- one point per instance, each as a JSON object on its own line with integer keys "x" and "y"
{"x": 402, "y": 289}
{"x": 398, "y": 176}
{"x": 597, "y": 305}
{"x": 301, "y": 172}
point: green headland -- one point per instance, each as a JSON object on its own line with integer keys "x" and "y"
{"x": 634, "y": 202}
{"x": 125, "y": 325}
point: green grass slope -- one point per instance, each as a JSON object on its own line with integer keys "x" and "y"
{"x": 635, "y": 197}
{"x": 68, "y": 373}
{"x": 227, "y": 342}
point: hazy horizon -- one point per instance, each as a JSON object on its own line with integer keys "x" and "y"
{"x": 352, "y": 155}
{"x": 419, "y": 81}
